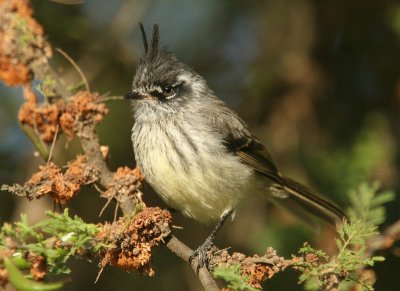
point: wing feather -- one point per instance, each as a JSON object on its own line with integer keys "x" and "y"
{"x": 240, "y": 141}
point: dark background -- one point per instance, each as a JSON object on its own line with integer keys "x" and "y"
{"x": 317, "y": 81}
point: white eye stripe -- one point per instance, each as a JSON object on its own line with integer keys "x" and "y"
{"x": 167, "y": 92}
{"x": 154, "y": 88}
{"x": 170, "y": 96}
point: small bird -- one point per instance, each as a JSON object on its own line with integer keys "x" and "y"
{"x": 197, "y": 153}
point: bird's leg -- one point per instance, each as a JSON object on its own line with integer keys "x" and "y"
{"x": 201, "y": 251}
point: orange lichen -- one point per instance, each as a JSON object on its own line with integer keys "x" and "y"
{"x": 125, "y": 172}
{"x": 83, "y": 109}
{"x": 44, "y": 118}
{"x": 21, "y": 38}
{"x": 257, "y": 273}
{"x": 13, "y": 74}
{"x": 133, "y": 239}
{"x": 44, "y": 180}
{"x": 79, "y": 172}
{"x": 48, "y": 118}
{"x": 67, "y": 122}
{"x": 257, "y": 269}
{"x": 38, "y": 266}
{"x": 127, "y": 183}
{"x": 50, "y": 180}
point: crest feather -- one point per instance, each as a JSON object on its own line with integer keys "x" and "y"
{"x": 152, "y": 51}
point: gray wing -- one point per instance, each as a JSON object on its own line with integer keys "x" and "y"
{"x": 240, "y": 141}
{"x": 252, "y": 153}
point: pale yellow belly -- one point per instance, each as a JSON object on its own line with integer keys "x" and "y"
{"x": 203, "y": 193}
{"x": 202, "y": 179}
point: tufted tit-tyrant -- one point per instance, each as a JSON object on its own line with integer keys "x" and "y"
{"x": 197, "y": 153}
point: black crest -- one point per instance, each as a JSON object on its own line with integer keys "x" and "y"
{"x": 152, "y": 51}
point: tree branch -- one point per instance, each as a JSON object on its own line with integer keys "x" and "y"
{"x": 385, "y": 240}
{"x": 184, "y": 252}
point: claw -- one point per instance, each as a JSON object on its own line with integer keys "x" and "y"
{"x": 201, "y": 254}
{"x": 201, "y": 251}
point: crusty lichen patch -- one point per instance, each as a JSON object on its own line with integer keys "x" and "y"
{"x": 134, "y": 238}
{"x": 126, "y": 185}
{"x": 43, "y": 118}
{"x": 50, "y": 180}
{"x": 82, "y": 109}
{"x": 69, "y": 116}
{"x": 256, "y": 268}
{"x": 21, "y": 40}
{"x": 38, "y": 267}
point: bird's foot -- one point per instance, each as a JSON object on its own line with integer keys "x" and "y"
{"x": 201, "y": 251}
{"x": 201, "y": 254}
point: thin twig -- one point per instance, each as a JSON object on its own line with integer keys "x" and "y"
{"x": 105, "y": 206}
{"x": 116, "y": 211}
{"x": 109, "y": 98}
{"x": 52, "y": 146}
{"x": 98, "y": 188}
{"x": 99, "y": 274}
{"x": 77, "y": 68}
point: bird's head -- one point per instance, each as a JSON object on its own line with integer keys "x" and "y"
{"x": 162, "y": 81}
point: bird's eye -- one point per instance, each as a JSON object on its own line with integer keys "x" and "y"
{"x": 168, "y": 89}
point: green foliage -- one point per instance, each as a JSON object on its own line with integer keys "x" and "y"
{"x": 319, "y": 271}
{"x": 343, "y": 268}
{"x": 57, "y": 239}
{"x": 367, "y": 203}
{"x": 231, "y": 274}
{"x": 352, "y": 242}
{"x": 311, "y": 268}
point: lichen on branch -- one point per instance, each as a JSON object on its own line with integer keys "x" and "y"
{"x": 44, "y": 248}
{"x": 50, "y": 180}
{"x": 126, "y": 184}
{"x": 65, "y": 115}
{"x": 248, "y": 272}
{"x": 81, "y": 110}
{"x": 133, "y": 239}
{"x": 22, "y": 42}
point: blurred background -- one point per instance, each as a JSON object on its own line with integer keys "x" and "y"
{"x": 317, "y": 81}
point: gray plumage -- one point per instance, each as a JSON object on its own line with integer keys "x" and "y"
{"x": 197, "y": 153}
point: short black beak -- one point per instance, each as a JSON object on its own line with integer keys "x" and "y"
{"x": 132, "y": 95}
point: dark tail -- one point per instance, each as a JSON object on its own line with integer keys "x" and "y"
{"x": 311, "y": 202}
